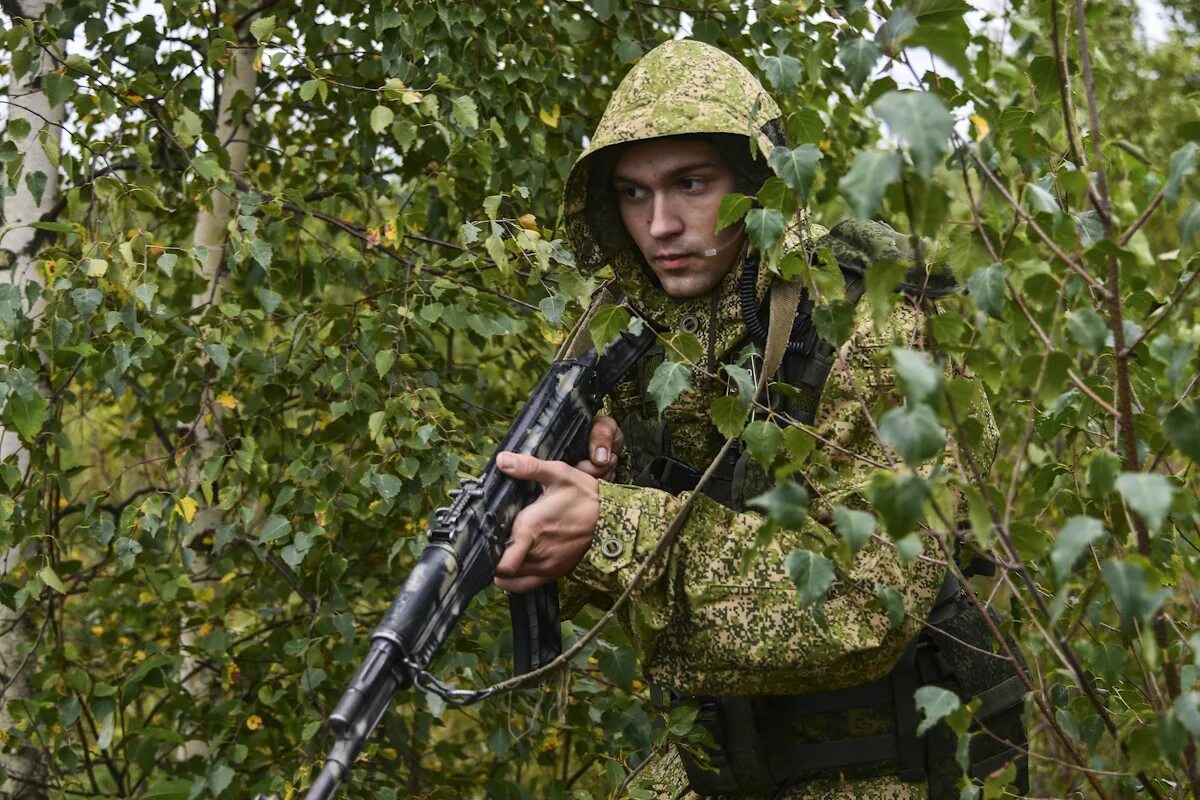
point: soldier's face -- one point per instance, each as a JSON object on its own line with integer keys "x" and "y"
{"x": 669, "y": 191}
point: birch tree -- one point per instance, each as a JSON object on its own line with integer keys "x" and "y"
{"x": 34, "y": 120}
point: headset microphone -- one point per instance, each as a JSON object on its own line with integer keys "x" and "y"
{"x": 712, "y": 251}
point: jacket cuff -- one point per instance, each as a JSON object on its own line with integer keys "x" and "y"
{"x": 631, "y": 523}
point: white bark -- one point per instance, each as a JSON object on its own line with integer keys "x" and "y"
{"x": 212, "y": 231}
{"x": 18, "y": 252}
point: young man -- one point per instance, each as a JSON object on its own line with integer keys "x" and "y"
{"x": 800, "y": 708}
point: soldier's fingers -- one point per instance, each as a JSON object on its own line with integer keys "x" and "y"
{"x": 605, "y": 442}
{"x": 510, "y": 563}
{"x": 526, "y": 467}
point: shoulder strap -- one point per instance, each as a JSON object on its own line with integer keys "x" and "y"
{"x": 579, "y": 339}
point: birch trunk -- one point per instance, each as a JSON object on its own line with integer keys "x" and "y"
{"x": 19, "y": 246}
{"x": 212, "y": 232}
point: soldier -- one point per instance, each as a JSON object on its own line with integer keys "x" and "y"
{"x": 799, "y": 708}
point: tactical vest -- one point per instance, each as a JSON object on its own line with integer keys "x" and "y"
{"x": 763, "y": 747}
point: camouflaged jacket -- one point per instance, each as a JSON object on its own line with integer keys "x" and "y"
{"x": 702, "y": 624}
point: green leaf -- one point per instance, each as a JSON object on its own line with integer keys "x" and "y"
{"x": 383, "y": 361}
{"x": 988, "y": 289}
{"x": 1070, "y": 544}
{"x": 86, "y": 301}
{"x": 921, "y": 122}
{"x": 797, "y": 168}
{"x": 1040, "y": 201}
{"x": 1147, "y": 494}
{"x": 1182, "y": 164}
{"x": 465, "y": 113}
{"x": 684, "y": 348}
{"x": 764, "y": 440}
{"x": 856, "y": 527}
{"x": 1089, "y": 227}
{"x": 262, "y": 28}
{"x": 1182, "y": 427}
{"x": 28, "y": 413}
{"x": 733, "y": 207}
{"x": 1102, "y": 474}
{"x": 36, "y": 183}
{"x": 179, "y": 789}
{"x": 494, "y": 246}
{"x": 934, "y": 703}
{"x": 765, "y": 227}
{"x": 606, "y": 325}
{"x": 729, "y": 415}
{"x": 219, "y": 778}
{"x": 219, "y": 353}
{"x": 1088, "y": 329}
{"x": 670, "y": 380}
{"x": 381, "y": 118}
{"x": 898, "y": 501}
{"x": 18, "y": 128}
{"x": 834, "y": 321}
{"x": 744, "y": 382}
{"x": 275, "y": 527}
{"x": 388, "y": 486}
{"x": 863, "y": 186}
{"x": 553, "y": 308}
{"x": 48, "y": 576}
{"x": 784, "y": 72}
{"x": 858, "y": 57}
{"x": 813, "y": 575}
{"x": 899, "y": 26}
{"x": 58, "y": 88}
{"x": 919, "y": 377}
{"x": 1126, "y": 582}
{"x": 806, "y": 126}
{"x": 1189, "y": 224}
{"x": 914, "y": 432}
{"x": 882, "y": 279}
{"x": 1187, "y": 707}
{"x": 786, "y": 503}
{"x": 893, "y": 604}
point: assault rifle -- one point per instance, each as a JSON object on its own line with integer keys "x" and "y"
{"x": 465, "y": 544}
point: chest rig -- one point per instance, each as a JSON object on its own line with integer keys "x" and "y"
{"x": 766, "y": 745}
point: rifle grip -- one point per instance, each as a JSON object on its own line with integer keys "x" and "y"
{"x": 537, "y": 635}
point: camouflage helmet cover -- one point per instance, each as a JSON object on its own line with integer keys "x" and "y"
{"x": 680, "y": 87}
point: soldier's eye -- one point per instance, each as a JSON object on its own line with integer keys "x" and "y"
{"x": 631, "y": 193}
{"x": 692, "y": 184}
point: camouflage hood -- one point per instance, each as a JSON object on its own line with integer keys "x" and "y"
{"x": 680, "y": 87}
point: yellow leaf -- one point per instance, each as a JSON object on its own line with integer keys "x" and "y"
{"x": 97, "y": 630}
{"x": 227, "y": 400}
{"x": 258, "y": 64}
{"x": 186, "y": 508}
{"x": 97, "y": 268}
{"x": 389, "y": 232}
{"x": 549, "y": 117}
{"x": 410, "y": 98}
{"x": 372, "y": 237}
{"x": 528, "y": 222}
{"x": 254, "y": 722}
{"x": 982, "y": 129}
{"x": 825, "y": 145}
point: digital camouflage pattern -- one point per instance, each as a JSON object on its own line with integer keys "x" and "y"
{"x": 701, "y": 624}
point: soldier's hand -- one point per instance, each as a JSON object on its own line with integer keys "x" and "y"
{"x": 605, "y": 444}
{"x": 550, "y": 535}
